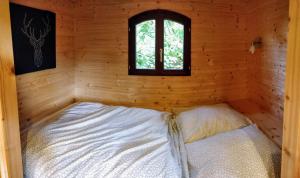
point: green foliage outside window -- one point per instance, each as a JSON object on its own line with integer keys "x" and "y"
{"x": 173, "y": 45}
{"x": 145, "y": 45}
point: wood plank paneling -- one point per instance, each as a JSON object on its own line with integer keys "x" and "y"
{"x": 41, "y": 93}
{"x": 219, "y": 70}
{"x": 291, "y": 130}
{"x": 267, "y": 67}
{"x": 92, "y": 58}
{"x": 10, "y": 146}
{"x": 267, "y": 123}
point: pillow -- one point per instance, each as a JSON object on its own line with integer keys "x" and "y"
{"x": 245, "y": 152}
{"x": 206, "y": 121}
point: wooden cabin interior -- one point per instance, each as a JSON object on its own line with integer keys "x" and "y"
{"x": 92, "y": 51}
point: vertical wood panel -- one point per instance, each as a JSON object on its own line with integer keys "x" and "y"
{"x": 10, "y": 147}
{"x": 291, "y": 131}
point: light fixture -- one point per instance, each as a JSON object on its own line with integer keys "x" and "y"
{"x": 256, "y": 43}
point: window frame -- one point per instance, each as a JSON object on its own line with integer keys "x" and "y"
{"x": 159, "y": 16}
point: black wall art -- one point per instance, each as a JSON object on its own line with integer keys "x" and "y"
{"x": 33, "y": 36}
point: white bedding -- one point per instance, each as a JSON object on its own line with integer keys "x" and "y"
{"x": 91, "y": 140}
{"x": 95, "y": 140}
{"x": 241, "y": 153}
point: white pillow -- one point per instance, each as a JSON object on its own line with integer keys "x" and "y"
{"x": 206, "y": 121}
{"x": 245, "y": 152}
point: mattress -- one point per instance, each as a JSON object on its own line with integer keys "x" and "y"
{"x": 95, "y": 140}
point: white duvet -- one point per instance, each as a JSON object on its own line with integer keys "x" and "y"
{"x": 94, "y": 140}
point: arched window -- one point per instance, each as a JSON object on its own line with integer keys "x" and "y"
{"x": 159, "y": 44}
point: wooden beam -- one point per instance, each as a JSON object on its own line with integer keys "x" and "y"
{"x": 291, "y": 128}
{"x": 10, "y": 146}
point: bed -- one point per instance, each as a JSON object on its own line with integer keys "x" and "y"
{"x": 96, "y": 140}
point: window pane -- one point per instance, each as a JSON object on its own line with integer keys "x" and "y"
{"x": 173, "y": 45}
{"x": 145, "y": 45}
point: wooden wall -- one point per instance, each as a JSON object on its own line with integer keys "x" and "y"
{"x": 267, "y": 67}
{"x": 10, "y": 145}
{"x": 94, "y": 33}
{"x": 290, "y": 166}
{"x": 42, "y": 92}
{"x": 92, "y": 57}
{"x": 219, "y": 68}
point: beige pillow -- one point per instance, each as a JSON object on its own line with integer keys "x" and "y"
{"x": 206, "y": 121}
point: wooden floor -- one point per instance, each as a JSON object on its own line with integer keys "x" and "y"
{"x": 270, "y": 125}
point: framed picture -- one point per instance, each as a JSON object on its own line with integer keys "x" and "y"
{"x": 33, "y": 36}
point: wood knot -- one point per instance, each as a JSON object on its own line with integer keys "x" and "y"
{"x": 287, "y": 97}
{"x": 286, "y": 151}
{"x": 12, "y": 70}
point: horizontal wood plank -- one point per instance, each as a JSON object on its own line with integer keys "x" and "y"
{"x": 268, "y": 123}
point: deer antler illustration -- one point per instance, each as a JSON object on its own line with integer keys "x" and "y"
{"x": 37, "y": 43}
